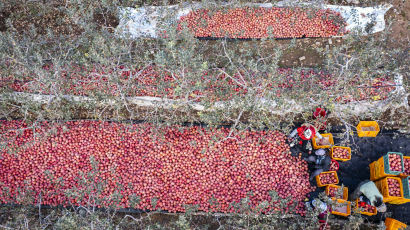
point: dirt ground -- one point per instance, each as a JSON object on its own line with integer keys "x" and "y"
{"x": 399, "y": 14}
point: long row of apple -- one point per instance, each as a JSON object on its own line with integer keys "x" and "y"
{"x": 173, "y": 166}
{"x": 152, "y": 82}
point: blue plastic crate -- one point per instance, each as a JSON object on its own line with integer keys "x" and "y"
{"x": 406, "y": 187}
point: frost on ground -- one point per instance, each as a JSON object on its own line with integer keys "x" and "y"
{"x": 366, "y": 20}
{"x": 143, "y": 21}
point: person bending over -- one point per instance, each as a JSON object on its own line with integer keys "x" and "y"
{"x": 321, "y": 162}
{"x": 368, "y": 189}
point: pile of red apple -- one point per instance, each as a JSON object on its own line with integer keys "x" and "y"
{"x": 327, "y": 178}
{"x": 367, "y": 207}
{"x": 176, "y": 165}
{"x": 394, "y": 187}
{"x": 395, "y": 162}
{"x": 341, "y": 153}
{"x": 406, "y": 166}
{"x": 248, "y": 22}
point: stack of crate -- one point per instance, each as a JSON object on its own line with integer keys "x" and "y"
{"x": 382, "y": 172}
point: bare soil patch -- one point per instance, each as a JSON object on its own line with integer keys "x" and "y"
{"x": 107, "y": 20}
{"x": 3, "y": 17}
{"x": 399, "y": 14}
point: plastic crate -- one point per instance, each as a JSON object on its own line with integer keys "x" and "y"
{"x": 384, "y": 189}
{"x": 406, "y": 187}
{"x": 341, "y": 159}
{"x": 319, "y": 184}
{"x": 382, "y": 167}
{"x": 372, "y": 171}
{"x": 345, "y": 190}
{"x": 387, "y": 166}
{"x": 341, "y": 202}
{"x": 365, "y": 133}
{"x": 404, "y": 171}
{"x": 392, "y": 224}
{"x": 365, "y": 213}
{"x": 406, "y": 195}
{"x": 316, "y": 146}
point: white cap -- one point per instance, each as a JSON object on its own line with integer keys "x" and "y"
{"x": 320, "y": 152}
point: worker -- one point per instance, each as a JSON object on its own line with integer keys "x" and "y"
{"x": 363, "y": 201}
{"x": 304, "y": 134}
{"x": 368, "y": 189}
{"x": 321, "y": 160}
{"x": 317, "y": 204}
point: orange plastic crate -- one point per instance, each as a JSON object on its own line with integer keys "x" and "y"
{"x": 384, "y": 189}
{"x": 400, "y": 201}
{"x": 363, "y": 125}
{"x": 372, "y": 171}
{"x": 392, "y": 224}
{"x": 335, "y": 209}
{"x": 319, "y": 184}
{"x": 345, "y": 190}
{"x": 365, "y": 213}
{"x": 341, "y": 159}
{"x": 316, "y": 146}
{"x": 406, "y": 196}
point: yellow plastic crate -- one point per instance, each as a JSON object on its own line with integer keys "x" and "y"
{"x": 365, "y": 213}
{"x": 341, "y": 159}
{"x": 392, "y": 224}
{"x": 384, "y": 189}
{"x": 319, "y": 184}
{"x": 379, "y": 170}
{"x": 364, "y": 125}
{"x": 400, "y": 201}
{"x": 316, "y": 146}
{"x": 344, "y": 202}
{"x": 406, "y": 196}
{"x": 372, "y": 171}
{"x": 345, "y": 190}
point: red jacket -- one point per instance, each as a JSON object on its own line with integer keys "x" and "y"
{"x": 301, "y": 131}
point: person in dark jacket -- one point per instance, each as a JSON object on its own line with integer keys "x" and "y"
{"x": 321, "y": 162}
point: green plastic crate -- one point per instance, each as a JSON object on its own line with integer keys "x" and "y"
{"x": 406, "y": 187}
{"x": 387, "y": 165}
